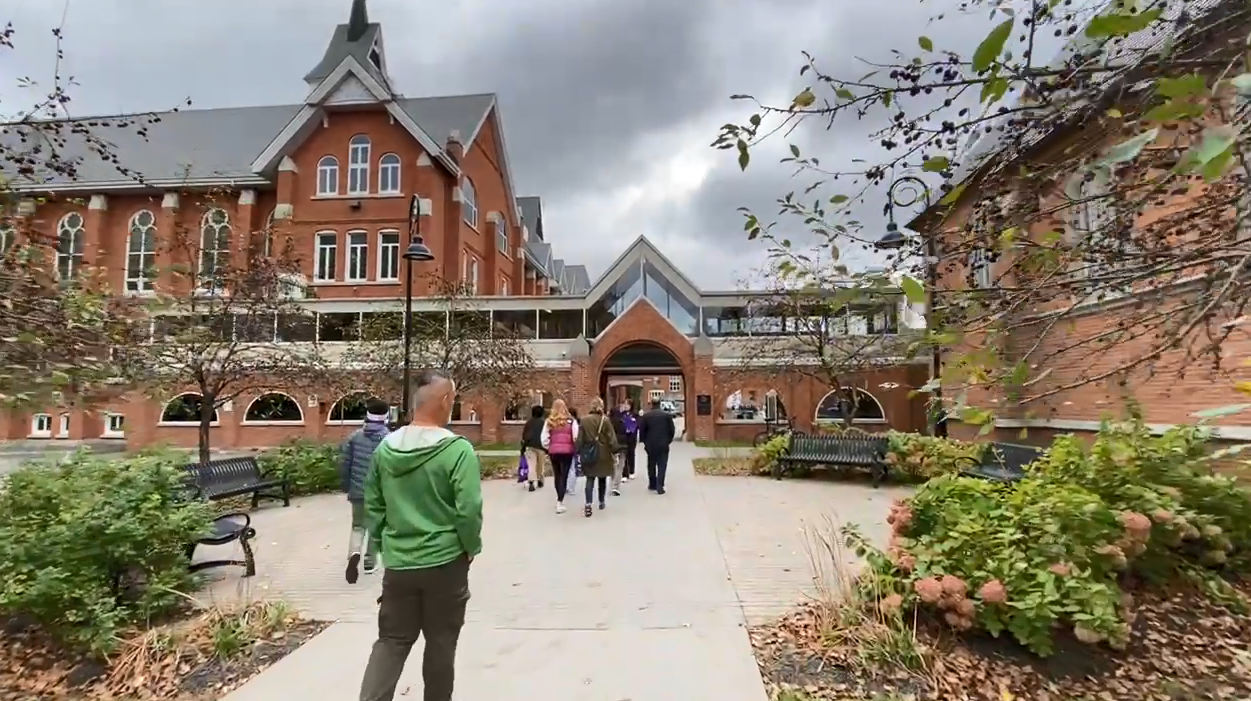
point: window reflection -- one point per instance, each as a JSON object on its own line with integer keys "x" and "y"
{"x": 725, "y": 321}
{"x": 560, "y": 324}
{"x": 515, "y": 323}
{"x": 669, "y": 300}
{"x": 623, "y": 293}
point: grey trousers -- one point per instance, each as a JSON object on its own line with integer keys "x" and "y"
{"x": 428, "y": 602}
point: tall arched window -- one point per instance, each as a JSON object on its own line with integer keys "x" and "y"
{"x": 274, "y": 407}
{"x": 141, "y": 252}
{"x": 469, "y": 203}
{"x": 214, "y": 246}
{"x": 850, "y": 403}
{"x": 69, "y": 245}
{"x": 349, "y": 409}
{"x": 328, "y": 176}
{"x": 389, "y": 174}
{"x": 358, "y": 165}
{"x": 185, "y": 409}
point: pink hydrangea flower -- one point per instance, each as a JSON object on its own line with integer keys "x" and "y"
{"x": 1135, "y": 522}
{"x": 1060, "y": 569}
{"x": 929, "y": 589}
{"x": 966, "y": 608}
{"x": 891, "y": 605}
{"x": 1162, "y": 516}
{"x": 1087, "y": 635}
{"x": 906, "y": 562}
{"x": 1115, "y": 554}
{"x": 993, "y": 592}
{"x": 1212, "y": 530}
{"x": 953, "y": 586}
{"x": 957, "y": 621}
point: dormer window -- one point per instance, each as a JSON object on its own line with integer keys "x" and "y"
{"x": 375, "y": 57}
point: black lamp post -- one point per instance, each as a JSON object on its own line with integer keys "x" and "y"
{"x": 416, "y": 251}
{"x": 905, "y": 192}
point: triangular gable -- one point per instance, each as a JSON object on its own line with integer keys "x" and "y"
{"x": 641, "y": 250}
{"x": 494, "y": 108}
{"x": 350, "y": 92}
{"x": 307, "y": 118}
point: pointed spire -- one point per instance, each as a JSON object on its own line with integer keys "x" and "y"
{"x": 358, "y": 21}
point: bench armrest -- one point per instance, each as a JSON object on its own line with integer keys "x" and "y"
{"x": 972, "y": 461}
{"x": 247, "y": 519}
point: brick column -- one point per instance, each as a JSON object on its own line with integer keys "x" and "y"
{"x": 288, "y": 182}
{"x": 704, "y": 381}
{"x": 245, "y": 223}
{"x": 489, "y": 279}
{"x": 166, "y": 231}
{"x": 582, "y": 378}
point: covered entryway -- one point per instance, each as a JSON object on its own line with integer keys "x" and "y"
{"x": 643, "y": 371}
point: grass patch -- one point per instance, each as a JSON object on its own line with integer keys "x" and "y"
{"x": 724, "y": 467}
{"x": 498, "y": 467}
{"x": 723, "y": 444}
{"x": 492, "y": 447}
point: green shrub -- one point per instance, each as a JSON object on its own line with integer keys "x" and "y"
{"x": 920, "y": 458}
{"x": 766, "y": 456}
{"x": 92, "y": 545}
{"x": 312, "y": 468}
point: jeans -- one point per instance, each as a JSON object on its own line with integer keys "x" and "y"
{"x": 430, "y": 602}
{"x": 590, "y": 489}
{"x": 632, "y": 442}
{"x": 562, "y": 469}
{"x": 657, "y": 465}
{"x": 358, "y": 542}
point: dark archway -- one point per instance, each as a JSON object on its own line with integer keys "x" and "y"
{"x": 644, "y": 359}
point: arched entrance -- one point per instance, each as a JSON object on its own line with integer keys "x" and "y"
{"x": 643, "y": 370}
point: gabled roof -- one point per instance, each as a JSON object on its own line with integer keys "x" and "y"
{"x": 578, "y": 280}
{"x": 540, "y": 254}
{"x": 532, "y": 214}
{"x": 342, "y": 46}
{"x": 558, "y": 272}
{"x": 642, "y": 250}
{"x": 217, "y": 145}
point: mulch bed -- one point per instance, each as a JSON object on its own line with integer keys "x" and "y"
{"x": 1182, "y": 647}
{"x": 33, "y": 667}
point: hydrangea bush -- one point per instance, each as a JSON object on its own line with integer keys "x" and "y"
{"x": 920, "y": 458}
{"x": 1053, "y": 551}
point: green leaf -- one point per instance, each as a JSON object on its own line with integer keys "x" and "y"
{"x": 1242, "y": 83}
{"x": 1214, "y": 150}
{"x": 926, "y": 43}
{"x": 805, "y": 99}
{"x": 845, "y": 94}
{"x": 951, "y": 197}
{"x": 1117, "y": 24}
{"x": 992, "y": 46}
{"x": 994, "y": 89}
{"x": 912, "y": 289}
{"x": 1129, "y": 149}
{"x": 1220, "y": 412}
{"x": 1185, "y": 86}
{"x": 794, "y": 150}
{"x": 1174, "y": 110}
{"x": 937, "y": 164}
{"x": 1216, "y": 168}
{"x": 839, "y": 199}
{"x": 743, "y": 157}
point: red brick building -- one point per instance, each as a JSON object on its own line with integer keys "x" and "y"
{"x": 333, "y": 177}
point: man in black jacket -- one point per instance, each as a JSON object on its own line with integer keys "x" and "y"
{"x": 656, "y": 432}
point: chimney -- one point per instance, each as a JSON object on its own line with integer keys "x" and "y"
{"x": 454, "y": 148}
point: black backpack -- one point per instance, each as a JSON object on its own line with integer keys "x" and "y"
{"x": 588, "y": 450}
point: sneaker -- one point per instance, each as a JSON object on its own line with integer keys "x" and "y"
{"x": 540, "y": 484}
{"x": 661, "y": 490}
{"x": 587, "y": 511}
{"x": 651, "y": 487}
{"x": 616, "y": 492}
{"x": 602, "y": 506}
{"x": 560, "y": 507}
{"x": 369, "y": 567}
{"x": 531, "y": 486}
{"x": 353, "y": 568}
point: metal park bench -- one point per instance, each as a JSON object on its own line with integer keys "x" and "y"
{"x": 225, "y": 530}
{"x": 1002, "y": 462}
{"x": 232, "y": 477}
{"x": 838, "y": 451}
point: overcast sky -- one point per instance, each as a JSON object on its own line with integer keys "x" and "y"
{"x": 609, "y": 105}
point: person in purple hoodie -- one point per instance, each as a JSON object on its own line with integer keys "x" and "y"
{"x": 630, "y": 419}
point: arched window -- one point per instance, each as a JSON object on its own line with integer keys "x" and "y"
{"x": 850, "y": 402}
{"x": 8, "y": 236}
{"x": 463, "y": 411}
{"x": 273, "y": 407}
{"x": 389, "y": 174}
{"x": 184, "y": 409}
{"x": 358, "y": 165}
{"x": 749, "y": 404}
{"x": 469, "y": 203}
{"x": 328, "y": 176}
{"x": 69, "y": 245}
{"x": 518, "y": 408}
{"x": 349, "y": 409}
{"x": 141, "y": 252}
{"x": 214, "y": 246}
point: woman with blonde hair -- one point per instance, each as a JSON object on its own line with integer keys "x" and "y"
{"x": 598, "y": 454}
{"x": 560, "y": 439}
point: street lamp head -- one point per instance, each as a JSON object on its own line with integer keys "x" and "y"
{"x": 417, "y": 251}
{"x": 893, "y": 240}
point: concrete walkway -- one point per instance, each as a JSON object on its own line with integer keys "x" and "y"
{"x": 646, "y": 601}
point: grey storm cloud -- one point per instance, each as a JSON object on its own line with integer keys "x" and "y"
{"x": 597, "y": 95}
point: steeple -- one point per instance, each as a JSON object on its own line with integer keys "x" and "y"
{"x": 358, "y": 21}
{"x": 359, "y": 39}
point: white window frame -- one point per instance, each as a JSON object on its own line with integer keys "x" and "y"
{"x": 469, "y": 203}
{"x": 501, "y": 235}
{"x": 8, "y": 237}
{"x": 327, "y": 176}
{"x": 69, "y": 245}
{"x": 358, "y": 165}
{"x": 41, "y": 425}
{"x": 675, "y": 384}
{"x": 389, "y": 174}
{"x": 325, "y": 243}
{"x": 655, "y": 395}
{"x": 138, "y": 281}
{"x": 388, "y": 250}
{"x": 503, "y": 286}
{"x": 63, "y": 426}
{"x": 212, "y": 256}
{"x": 356, "y": 267}
{"x": 471, "y": 274}
{"x": 114, "y": 432}
{"x": 980, "y": 268}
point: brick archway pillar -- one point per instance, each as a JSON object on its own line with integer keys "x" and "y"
{"x": 703, "y": 381}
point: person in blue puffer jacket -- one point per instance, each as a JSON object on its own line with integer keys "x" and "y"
{"x": 356, "y": 456}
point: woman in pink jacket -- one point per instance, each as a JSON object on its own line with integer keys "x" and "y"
{"x": 560, "y": 440}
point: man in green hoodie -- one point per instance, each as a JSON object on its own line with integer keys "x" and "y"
{"x": 423, "y": 507}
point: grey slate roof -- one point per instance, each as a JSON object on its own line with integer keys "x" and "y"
{"x": 558, "y": 271}
{"x": 540, "y": 252}
{"x": 532, "y": 214}
{"x": 341, "y": 46}
{"x": 577, "y": 279}
{"x": 207, "y": 143}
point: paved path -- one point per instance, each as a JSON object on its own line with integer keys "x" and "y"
{"x": 646, "y": 601}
